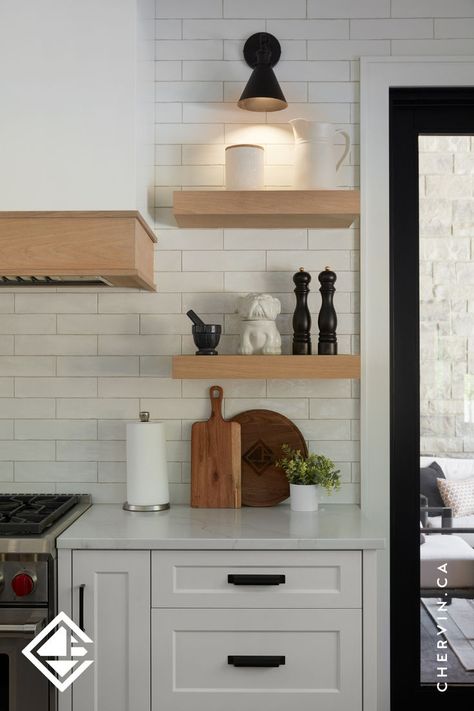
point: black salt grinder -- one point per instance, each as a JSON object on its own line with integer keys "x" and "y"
{"x": 327, "y": 320}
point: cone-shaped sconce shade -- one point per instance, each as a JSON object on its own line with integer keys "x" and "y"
{"x": 263, "y": 92}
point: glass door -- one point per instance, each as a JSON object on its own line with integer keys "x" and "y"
{"x": 432, "y": 396}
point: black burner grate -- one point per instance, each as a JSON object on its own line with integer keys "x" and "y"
{"x": 27, "y": 514}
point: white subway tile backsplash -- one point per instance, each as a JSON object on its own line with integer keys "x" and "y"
{"x": 308, "y": 29}
{"x": 168, "y": 70}
{"x": 26, "y": 323}
{"x": 74, "y": 451}
{"x": 168, "y": 324}
{"x": 7, "y": 303}
{"x": 432, "y": 8}
{"x": 60, "y": 303}
{"x": 315, "y": 71}
{"x": 451, "y": 28}
{"x": 6, "y": 472}
{"x": 93, "y": 408}
{"x": 167, "y": 155}
{"x": 22, "y": 365}
{"x": 96, "y": 366}
{"x": 204, "y": 303}
{"x": 139, "y": 387}
{"x": 56, "y": 429}
{"x": 189, "y": 133}
{"x": 309, "y": 388}
{"x": 349, "y": 8}
{"x": 189, "y": 49}
{"x": 27, "y": 451}
{"x": 141, "y": 303}
{"x": 188, "y": 91}
{"x": 264, "y": 8}
{"x": 6, "y": 429}
{"x": 52, "y": 471}
{"x": 95, "y": 324}
{"x": 168, "y": 112}
{"x": 168, "y": 29}
{"x": 392, "y": 29}
{"x": 112, "y": 472}
{"x": 433, "y": 47}
{"x": 218, "y": 29}
{"x": 344, "y": 91}
{"x": 203, "y": 155}
{"x": 202, "y": 70}
{"x": 283, "y": 261}
{"x": 195, "y": 281}
{"x": 139, "y": 345}
{"x": 7, "y": 345}
{"x": 220, "y": 113}
{"x": 6, "y": 387}
{"x": 55, "y": 345}
{"x": 346, "y": 49}
{"x": 322, "y": 430}
{"x": 232, "y": 388}
{"x": 251, "y": 239}
{"x": 224, "y": 260}
{"x": 188, "y": 8}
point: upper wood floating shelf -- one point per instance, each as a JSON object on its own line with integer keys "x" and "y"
{"x": 116, "y": 246}
{"x": 266, "y": 208}
{"x": 284, "y": 367}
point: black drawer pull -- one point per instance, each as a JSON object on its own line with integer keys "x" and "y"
{"x": 255, "y": 661}
{"x": 256, "y": 579}
{"x": 81, "y": 606}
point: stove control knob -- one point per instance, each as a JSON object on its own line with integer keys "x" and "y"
{"x": 23, "y": 584}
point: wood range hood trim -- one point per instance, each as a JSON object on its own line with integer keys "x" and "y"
{"x": 114, "y": 245}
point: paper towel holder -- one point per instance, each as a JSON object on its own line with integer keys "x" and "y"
{"x": 145, "y": 417}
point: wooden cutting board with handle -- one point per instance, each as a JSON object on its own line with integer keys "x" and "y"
{"x": 262, "y": 435}
{"x": 215, "y": 459}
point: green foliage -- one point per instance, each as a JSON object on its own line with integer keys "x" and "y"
{"x": 313, "y": 469}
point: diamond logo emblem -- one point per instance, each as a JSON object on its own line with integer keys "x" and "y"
{"x": 259, "y": 457}
{"x": 61, "y": 651}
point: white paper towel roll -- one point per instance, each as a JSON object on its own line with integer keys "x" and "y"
{"x": 147, "y": 471}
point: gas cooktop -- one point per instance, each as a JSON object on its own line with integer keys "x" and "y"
{"x": 30, "y": 514}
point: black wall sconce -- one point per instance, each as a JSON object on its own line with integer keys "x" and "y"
{"x": 262, "y": 92}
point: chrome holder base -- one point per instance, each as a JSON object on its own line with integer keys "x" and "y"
{"x": 133, "y": 507}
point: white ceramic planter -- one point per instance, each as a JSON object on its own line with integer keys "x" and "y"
{"x": 304, "y": 497}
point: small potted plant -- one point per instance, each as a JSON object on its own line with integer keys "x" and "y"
{"x": 306, "y": 476}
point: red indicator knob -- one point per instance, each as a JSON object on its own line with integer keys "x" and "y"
{"x": 23, "y": 584}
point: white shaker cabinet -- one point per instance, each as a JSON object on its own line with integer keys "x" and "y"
{"x": 117, "y": 618}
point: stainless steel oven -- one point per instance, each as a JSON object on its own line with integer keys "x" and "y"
{"x": 29, "y": 526}
{"x": 22, "y": 686}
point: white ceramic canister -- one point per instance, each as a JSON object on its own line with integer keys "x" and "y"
{"x": 244, "y": 167}
{"x": 304, "y": 497}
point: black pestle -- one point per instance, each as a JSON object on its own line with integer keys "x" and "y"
{"x": 195, "y": 318}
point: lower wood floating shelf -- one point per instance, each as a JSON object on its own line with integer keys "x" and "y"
{"x": 284, "y": 367}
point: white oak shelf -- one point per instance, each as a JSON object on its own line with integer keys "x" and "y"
{"x": 266, "y": 208}
{"x": 284, "y": 367}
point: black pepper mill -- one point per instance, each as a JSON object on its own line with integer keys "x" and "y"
{"x": 327, "y": 320}
{"x": 302, "y": 316}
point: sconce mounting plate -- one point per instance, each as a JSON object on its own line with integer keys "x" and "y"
{"x": 254, "y": 43}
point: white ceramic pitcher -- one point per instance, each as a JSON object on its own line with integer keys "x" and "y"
{"x": 315, "y": 155}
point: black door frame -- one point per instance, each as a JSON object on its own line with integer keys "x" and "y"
{"x": 413, "y": 111}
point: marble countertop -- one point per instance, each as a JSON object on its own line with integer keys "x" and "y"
{"x": 107, "y": 526}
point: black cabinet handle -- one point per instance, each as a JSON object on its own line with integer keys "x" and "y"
{"x": 81, "y": 606}
{"x": 262, "y": 660}
{"x": 256, "y": 579}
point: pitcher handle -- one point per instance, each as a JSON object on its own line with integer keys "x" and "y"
{"x": 346, "y": 149}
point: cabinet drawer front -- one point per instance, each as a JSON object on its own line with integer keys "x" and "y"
{"x": 304, "y": 659}
{"x": 312, "y": 579}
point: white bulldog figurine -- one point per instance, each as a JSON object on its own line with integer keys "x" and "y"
{"x": 258, "y": 333}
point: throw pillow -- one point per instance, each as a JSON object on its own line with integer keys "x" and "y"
{"x": 458, "y": 495}
{"x": 428, "y": 485}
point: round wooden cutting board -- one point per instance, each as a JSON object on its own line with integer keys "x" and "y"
{"x": 262, "y": 434}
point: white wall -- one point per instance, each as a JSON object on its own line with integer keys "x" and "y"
{"x": 74, "y": 367}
